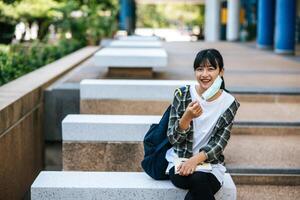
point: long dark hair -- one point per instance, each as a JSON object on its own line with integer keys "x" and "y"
{"x": 213, "y": 57}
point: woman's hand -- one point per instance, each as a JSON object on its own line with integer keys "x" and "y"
{"x": 188, "y": 167}
{"x": 192, "y": 111}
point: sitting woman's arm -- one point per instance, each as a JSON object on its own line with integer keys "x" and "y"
{"x": 175, "y": 133}
{"x": 179, "y": 126}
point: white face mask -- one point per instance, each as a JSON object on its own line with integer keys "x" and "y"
{"x": 213, "y": 89}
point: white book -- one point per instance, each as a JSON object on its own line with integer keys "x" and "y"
{"x": 202, "y": 166}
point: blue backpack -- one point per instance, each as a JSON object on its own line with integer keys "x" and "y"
{"x": 156, "y": 144}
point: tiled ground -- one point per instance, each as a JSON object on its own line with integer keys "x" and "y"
{"x": 268, "y": 192}
{"x": 244, "y": 66}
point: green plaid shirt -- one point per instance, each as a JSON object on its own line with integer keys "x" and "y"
{"x": 182, "y": 141}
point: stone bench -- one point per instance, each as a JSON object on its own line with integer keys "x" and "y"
{"x": 114, "y": 143}
{"x": 113, "y": 186}
{"x": 131, "y": 62}
{"x": 131, "y": 97}
{"x": 151, "y": 97}
{"x": 111, "y": 142}
{"x": 139, "y": 38}
{"x": 135, "y": 44}
{"x": 104, "y": 142}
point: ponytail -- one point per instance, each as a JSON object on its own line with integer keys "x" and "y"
{"x": 223, "y": 85}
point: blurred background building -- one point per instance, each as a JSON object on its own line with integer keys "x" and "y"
{"x": 274, "y": 24}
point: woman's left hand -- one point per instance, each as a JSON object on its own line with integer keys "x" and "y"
{"x": 188, "y": 167}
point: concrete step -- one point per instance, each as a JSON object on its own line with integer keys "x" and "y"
{"x": 268, "y": 112}
{"x": 151, "y": 97}
{"x": 113, "y": 186}
{"x": 131, "y": 57}
{"x": 249, "y": 113}
{"x": 266, "y": 97}
{"x": 271, "y": 129}
{"x": 94, "y": 142}
{"x": 134, "y": 44}
{"x": 261, "y": 151}
{"x": 53, "y": 156}
{"x": 100, "y": 185}
{"x": 267, "y": 192}
{"x": 266, "y": 178}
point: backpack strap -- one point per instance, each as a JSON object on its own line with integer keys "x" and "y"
{"x": 181, "y": 90}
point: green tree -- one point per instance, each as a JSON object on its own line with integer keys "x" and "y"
{"x": 170, "y": 15}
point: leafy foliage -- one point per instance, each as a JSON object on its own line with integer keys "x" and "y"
{"x": 169, "y": 15}
{"x": 97, "y": 19}
{"x": 86, "y": 20}
{"x": 20, "y": 59}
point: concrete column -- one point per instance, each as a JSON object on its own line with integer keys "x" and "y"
{"x": 266, "y": 22}
{"x": 127, "y": 15}
{"x": 285, "y": 26}
{"x": 122, "y": 14}
{"x": 233, "y": 23}
{"x": 212, "y": 20}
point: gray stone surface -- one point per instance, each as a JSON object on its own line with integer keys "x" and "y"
{"x": 123, "y": 107}
{"x": 103, "y": 156}
{"x": 111, "y": 186}
{"x": 60, "y": 100}
{"x": 106, "y": 127}
{"x": 135, "y": 44}
{"x": 139, "y": 38}
{"x": 130, "y": 89}
{"x": 163, "y": 90}
{"x": 269, "y": 153}
{"x": 131, "y": 57}
{"x": 268, "y": 192}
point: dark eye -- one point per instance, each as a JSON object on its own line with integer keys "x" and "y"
{"x": 199, "y": 69}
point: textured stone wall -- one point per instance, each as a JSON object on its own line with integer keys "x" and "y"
{"x": 21, "y": 118}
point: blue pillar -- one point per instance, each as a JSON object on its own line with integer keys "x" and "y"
{"x": 285, "y": 26}
{"x": 127, "y": 15}
{"x": 122, "y": 14}
{"x": 266, "y": 22}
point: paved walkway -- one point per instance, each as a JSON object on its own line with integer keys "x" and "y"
{"x": 263, "y": 151}
{"x": 268, "y": 112}
{"x": 245, "y": 66}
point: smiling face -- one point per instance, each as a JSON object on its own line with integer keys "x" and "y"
{"x": 206, "y": 74}
{"x": 208, "y": 65}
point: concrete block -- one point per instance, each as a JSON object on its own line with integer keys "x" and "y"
{"x": 123, "y": 107}
{"x": 137, "y": 73}
{"x": 60, "y": 100}
{"x": 104, "y": 142}
{"x": 103, "y": 156}
{"x": 135, "y": 44}
{"x": 113, "y": 186}
{"x": 139, "y": 38}
{"x": 101, "y": 138}
{"x": 131, "y": 97}
{"x": 156, "y": 90}
{"x": 106, "y": 127}
{"x": 131, "y": 57}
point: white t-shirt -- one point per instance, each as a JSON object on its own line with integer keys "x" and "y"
{"x": 203, "y": 126}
